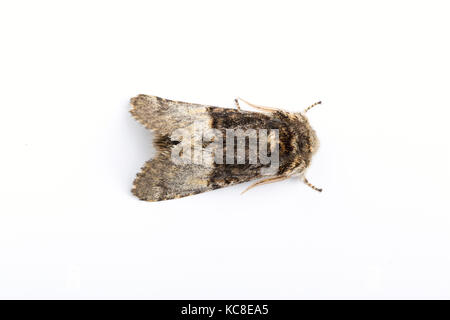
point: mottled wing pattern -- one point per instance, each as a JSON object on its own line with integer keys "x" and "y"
{"x": 160, "y": 178}
{"x": 229, "y": 174}
{"x": 164, "y": 115}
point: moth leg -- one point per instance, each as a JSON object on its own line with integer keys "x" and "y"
{"x": 236, "y": 102}
{"x": 267, "y": 109}
{"x": 312, "y": 106}
{"x": 265, "y": 181}
{"x": 310, "y": 185}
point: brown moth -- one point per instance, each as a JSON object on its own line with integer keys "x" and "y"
{"x": 163, "y": 178}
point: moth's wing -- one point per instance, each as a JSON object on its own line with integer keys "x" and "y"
{"x": 162, "y": 179}
{"x": 165, "y": 116}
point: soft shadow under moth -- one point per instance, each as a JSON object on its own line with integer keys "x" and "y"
{"x": 187, "y": 166}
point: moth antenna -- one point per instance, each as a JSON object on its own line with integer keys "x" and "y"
{"x": 265, "y": 181}
{"x": 262, "y": 108}
{"x": 236, "y": 102}
{"x": 310, "y": 185}
{"x": 311, "y": 106}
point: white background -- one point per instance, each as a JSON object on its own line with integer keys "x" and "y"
{"x": 70, "y": 228}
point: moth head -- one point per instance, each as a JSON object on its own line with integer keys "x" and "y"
{"x": 309, "y": 143}
{"x": 314, "y": 142}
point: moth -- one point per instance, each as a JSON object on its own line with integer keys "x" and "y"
{"x": 172, "y": 173}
